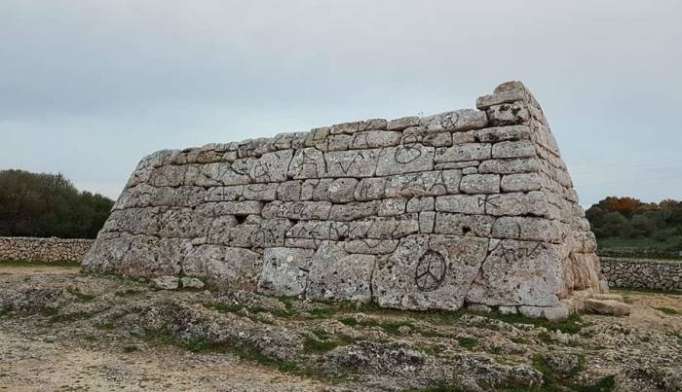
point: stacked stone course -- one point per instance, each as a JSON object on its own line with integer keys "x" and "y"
{"x": 468, "y": 206}
{"x": 643, "y": 273}
{"x": 46, "y": 250}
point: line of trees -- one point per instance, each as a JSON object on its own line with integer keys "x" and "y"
{"x": 47, "y": 205}
{"x": 629, "y": 218}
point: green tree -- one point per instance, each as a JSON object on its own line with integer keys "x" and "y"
{"x": 43, "y": 205}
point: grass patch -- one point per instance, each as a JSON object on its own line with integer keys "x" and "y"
{"x": 545, "y": 337}
{"x": 242, "y": 349}
{"x": 390, "y": 327}
{"x": 237, "y": 308}
{"x": 127, "y": 292}
{"x": 555, "y": 383}
{"x": 82, "y": 297}
{"x": 323, "y": 342}
{"x": 669, "y": 311}
{"x": 130, "y": 348}
{"x": 436, "y": 388}
{"x": 624, "y": 291}
{"x": 467, "y": 343}
{"x": 69, "y": 317}
{"x": 573, "y": 324}
{"x": 108, "y": 326}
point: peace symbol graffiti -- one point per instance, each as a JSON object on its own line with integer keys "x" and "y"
{"x": 430, "y": 272}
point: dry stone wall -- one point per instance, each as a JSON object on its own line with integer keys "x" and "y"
{"x": 45, "y": 250}
{"x": 643, "y": 274}
{"x": 471, "y": 206}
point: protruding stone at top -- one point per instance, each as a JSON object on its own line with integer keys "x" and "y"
{"x": 506, "y": 92}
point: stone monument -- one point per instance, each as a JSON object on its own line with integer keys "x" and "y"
{"x": 468, "y": 207}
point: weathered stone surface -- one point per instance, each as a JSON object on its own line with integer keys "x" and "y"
{"x": 479, "y": 199}
{"x": 166, "y": 282}
{"x": 407, "y": 158}
{"x": 371, "y": 246}
{"x": 510, "y": 166}
{"x": 499, "y": 134}
{"x": 375, "y": 139}
{"x": 464, "y": 152}
{"x": 342, "y": 190}
{"x": 517, "y": 203}
{"x": 458, "y": 120}
{"x": 223, "y": 266}
{"x": 285, "y": 271}
{"x": 337, "y": 275}
{"x": 480, "y": 183}
{"x": 508, "y": 113}
{"x": 418, "y": 204}
{"x": 403, "y": 122}
{"x": 523, "y": 182}
{"x": 429, "y": 272}
{"x": 518, "y": 272}
{"x": 433, "y": 183}
{"x": 297, "y": 210}
{"x": 461, "y": 224}
{"x": 522, "y": 149}
{"x": 464, "y": 204}
{"x": 505, "y": 93}
{"x": 353, "y": 211}
{"x": 188, "y": 282}
{"x": 289, "y": 191}
{"x": 353, "y": 163}
{"x": 427, "y": 222}
{"x": 556, "y": 313}
{"x": 390, "y": 207}
{"x": 370, "y": 189}
{"x": 607, "y": 307}
{"x": 522, "y": 228}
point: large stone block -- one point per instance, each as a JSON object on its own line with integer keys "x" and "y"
{"x": 519, "y": 273}
{"x": 285, "y": 271}
{"x": 354, "y": 163}
{"x": 464, "y": 152}
{"x": 406, "y": 158}
{"x": 223, "y": 266}
{"x": 464, "y": 204}
{"x": 433, "y": 183}
{"x": 337, "y": 275}
{"x": 297, "y": 209}
{"x": 462, "y": 224}
{"x": 429, "y": 272}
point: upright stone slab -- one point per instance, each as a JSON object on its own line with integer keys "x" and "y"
{"x": 468, "y": 207}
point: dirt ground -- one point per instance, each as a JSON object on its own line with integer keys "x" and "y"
{"x": 61, "y": 330}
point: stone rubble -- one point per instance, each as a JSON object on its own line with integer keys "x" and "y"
{"x": 468, "y": 207}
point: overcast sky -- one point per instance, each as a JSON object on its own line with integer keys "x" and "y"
{"x": 89, "y": 87}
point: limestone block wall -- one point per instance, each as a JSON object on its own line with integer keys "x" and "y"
{"x": 642, "y": 274}
{"x": 469, "y": 206}
{"x": 43, "y": 249}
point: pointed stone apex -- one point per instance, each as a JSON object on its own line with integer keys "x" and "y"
{"x": 506, "y": 92}
{"x": 511, "y": 85}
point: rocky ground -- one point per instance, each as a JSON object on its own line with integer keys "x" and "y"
{"x": 61, "y": 330}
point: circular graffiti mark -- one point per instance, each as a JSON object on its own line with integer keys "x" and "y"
{"x": 430, "y": 272}
{"x": 407, "y": 153}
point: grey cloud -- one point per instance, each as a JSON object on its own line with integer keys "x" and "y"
{"x": 88, "y": 87}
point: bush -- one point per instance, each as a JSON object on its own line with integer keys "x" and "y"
{"x": 46, "y": 205}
